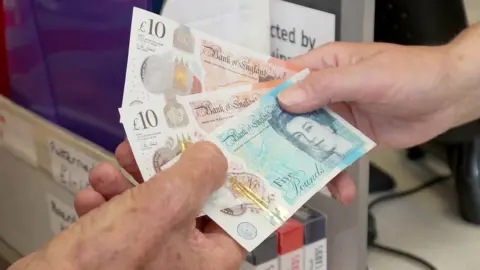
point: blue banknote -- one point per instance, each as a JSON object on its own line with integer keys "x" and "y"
{"x": 284, "y": 159}
{"x": 293, "y": 152}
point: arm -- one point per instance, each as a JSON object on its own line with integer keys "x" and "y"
{"x": 465, "y": 59}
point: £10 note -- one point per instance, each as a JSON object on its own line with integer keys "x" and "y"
{"x": 277, "y": 161}
{"x": 167, "y": 60}
{"x": 155, "y": 142}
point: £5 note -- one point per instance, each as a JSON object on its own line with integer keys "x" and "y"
{"x": 289, "y": 158}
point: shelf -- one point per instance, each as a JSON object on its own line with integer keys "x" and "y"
{"x": 46, "y": 146}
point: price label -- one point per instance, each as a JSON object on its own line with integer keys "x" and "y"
{"x": 61, "y": 215}
{"x": 70, "y": 167}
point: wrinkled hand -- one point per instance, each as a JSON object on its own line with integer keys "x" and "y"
{"x": 150, "y": 226}
{"x": 398, "y": 96}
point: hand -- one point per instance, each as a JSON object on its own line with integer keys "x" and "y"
{"x": 108, "y": 182}
{"x": 398, "y": 96}
{"x": 150, "y": 226}
{"x": 376, "y": 87}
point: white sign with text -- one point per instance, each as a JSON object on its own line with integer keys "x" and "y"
{"x": 61, "y": 215}
{"x": 297, "y": 29}
{"x": 70, "y": 167}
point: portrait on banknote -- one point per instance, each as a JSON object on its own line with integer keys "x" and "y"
{"x": 314, "y": 133}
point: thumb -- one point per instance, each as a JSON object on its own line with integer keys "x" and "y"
{"x": 321, "y": 88}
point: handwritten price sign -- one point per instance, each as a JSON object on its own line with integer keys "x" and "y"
{"x": 70, "y": 167}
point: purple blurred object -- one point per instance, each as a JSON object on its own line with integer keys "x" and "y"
{"x": 28, "y": 74}
{"x": 85, "y": 43}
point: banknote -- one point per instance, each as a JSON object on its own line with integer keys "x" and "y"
{"x": 154, "y": 142}
{"x": 277, "y": 161}
{"x": 168, "y": 60}
{"x": 154, "y": 137}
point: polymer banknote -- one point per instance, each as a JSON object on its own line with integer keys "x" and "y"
{"x": 156, "y": 139}
{"x": 277, "y": 161}
{"x": 168, "y": 60}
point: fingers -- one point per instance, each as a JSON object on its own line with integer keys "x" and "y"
{"x": 336, "y": 54}
{"x": 204, "y": 169}
{"x": 108, "y": 180}
{"x": 325, "y": 56}
{"x": 87, "y": 200}
{"x": 341, "y": 72}
{"x": 184, "y": 188}
{"x": 343, "y": 188}
{"x": 324, "y": 87}
{"x": 125, "y": 158}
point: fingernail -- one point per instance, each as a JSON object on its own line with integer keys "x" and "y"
{"x": 291, "y": 96}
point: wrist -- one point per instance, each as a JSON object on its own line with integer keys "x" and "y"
{"x": 464, "y": 73}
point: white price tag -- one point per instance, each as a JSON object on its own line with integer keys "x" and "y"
{"x": 18, "y": 135}
{"x": 61, "y": 215}
{"x": 70, "y": 167}
{"x": 297, "y": 29}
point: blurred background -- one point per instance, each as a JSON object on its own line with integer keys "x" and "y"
{"x": 62, "y": 79}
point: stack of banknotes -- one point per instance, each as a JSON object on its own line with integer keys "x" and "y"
{"x": 183, "y": 86}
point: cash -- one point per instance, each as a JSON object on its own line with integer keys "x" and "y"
{"x": 155, "y": 141}
{"x": 168, "y": 60}
{"x": 183, "y": 86}
{"x": 277, "y": 161}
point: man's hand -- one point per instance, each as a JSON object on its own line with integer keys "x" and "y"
{"x": 399, "y": 96}
{"x": 150, "y": 226}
